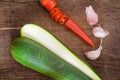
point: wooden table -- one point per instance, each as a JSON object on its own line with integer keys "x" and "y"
{"x": 15, "y": 13}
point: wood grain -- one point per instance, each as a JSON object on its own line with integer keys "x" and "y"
{"x": 15, "y": 13}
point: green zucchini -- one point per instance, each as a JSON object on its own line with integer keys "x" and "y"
{"x": 37, "y": 57}
{"x": 46, "y": 39}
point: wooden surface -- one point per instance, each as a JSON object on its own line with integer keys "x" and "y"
{"x": 15, "y": 13}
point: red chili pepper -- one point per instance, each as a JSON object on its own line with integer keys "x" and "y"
{"x": 63, "y": 19}
{"x": 78, "y": 31}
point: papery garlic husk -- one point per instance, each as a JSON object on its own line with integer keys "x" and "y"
{"x": 93, "y": 55}
{"x": 100, "y": 32}
{"x": 92, "y": 17}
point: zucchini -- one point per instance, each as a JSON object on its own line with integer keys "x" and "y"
{"x": 46, "y": 39}
{"x": 37, "y": 57}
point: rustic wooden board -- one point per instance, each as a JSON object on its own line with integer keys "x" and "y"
{"x": 16, "y": 13}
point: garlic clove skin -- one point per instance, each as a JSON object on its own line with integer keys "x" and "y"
{"x": 93, "y": 55}
{"x": 99, "y": 32}
{"x": 92, "y": 17}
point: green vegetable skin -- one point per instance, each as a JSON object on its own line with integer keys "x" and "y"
{"x": 72, "y": 64}
{"x": 35, "y": 56}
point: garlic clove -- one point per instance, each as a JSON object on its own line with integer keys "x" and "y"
{"x": 99, "y": 32}
{"x": 92, "y": 17}
{"x": 93, "y": 55}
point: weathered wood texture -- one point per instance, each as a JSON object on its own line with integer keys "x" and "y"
{"x": 16, "y": 13}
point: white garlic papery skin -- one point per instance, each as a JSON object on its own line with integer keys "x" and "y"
{"x": 93, "y": 55}
{"x": 92, "y": 17}
{"x": 100, "y": 32}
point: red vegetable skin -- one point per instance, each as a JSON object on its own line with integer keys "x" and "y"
{"x": 78, "y": 31}
{"x": 63, "y": 19}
